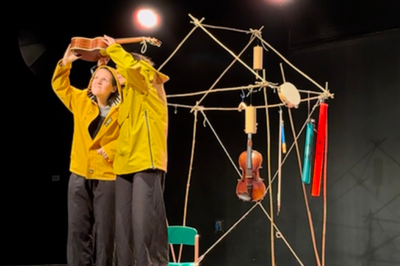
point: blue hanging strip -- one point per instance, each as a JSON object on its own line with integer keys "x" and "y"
{"x": 305, "y": 177}
{"x": 283, "y": 137}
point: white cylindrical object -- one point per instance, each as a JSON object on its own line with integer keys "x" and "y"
{"x": 251, "y": 120}
{"x": 257, "y": 57}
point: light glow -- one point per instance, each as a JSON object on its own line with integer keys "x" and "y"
{"x": 147, "y": 18}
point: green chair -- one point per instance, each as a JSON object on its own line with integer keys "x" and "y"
{"x": 183, "y": 235}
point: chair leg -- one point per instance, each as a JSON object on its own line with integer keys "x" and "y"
{"x": 196, "y": 249}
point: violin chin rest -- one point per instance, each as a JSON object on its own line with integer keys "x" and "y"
{"x": 244, "y": 196}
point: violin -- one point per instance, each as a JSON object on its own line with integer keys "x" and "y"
{"x": 251, "y": 186}
{"x": 90, "y": 49}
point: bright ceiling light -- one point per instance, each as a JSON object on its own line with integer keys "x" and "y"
{"x": 147, "y": 18}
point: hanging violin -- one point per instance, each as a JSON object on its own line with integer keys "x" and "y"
{"x": 90, "y": 49}
{"x": 251, "y": 186}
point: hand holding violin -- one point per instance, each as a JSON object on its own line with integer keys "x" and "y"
{"x": 103, "y": 61}
{"x": 69, "y": 56}
{"x": 108, "y": 40}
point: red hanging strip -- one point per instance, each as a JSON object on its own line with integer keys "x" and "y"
{"x": 319, "y": 149}
{"x": 324, "y": 193}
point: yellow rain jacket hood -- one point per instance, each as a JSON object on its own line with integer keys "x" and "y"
{"x": 85, "y": 161}
{"x": 143, "y": 115}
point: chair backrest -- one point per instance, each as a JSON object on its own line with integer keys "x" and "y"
{"x": 184, "y": 235}
{"x": 181, "y": 235}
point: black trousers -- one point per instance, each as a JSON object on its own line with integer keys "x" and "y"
{"x": 141, "y": 229}
{"x": 91, "y": 222}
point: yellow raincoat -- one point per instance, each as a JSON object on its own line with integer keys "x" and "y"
{"x": 142, "y": 143}
{"x": 85, "y": 161}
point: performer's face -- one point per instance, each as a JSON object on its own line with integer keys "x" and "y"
{"x": 102, "y": 83}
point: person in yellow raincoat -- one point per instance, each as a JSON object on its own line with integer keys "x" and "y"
{"x": 91, "y": 187}
{"x": 140, "y": 161}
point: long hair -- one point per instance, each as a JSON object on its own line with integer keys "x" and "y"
{"x": 139, "y": 57}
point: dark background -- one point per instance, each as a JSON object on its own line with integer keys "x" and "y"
{"x": 351, "y": 45}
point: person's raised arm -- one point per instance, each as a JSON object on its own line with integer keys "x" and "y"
{"x": 131, "y": 69}
{"x": 60, "y": 81}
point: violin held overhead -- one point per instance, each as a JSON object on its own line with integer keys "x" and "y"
{"x": 90, "y": 48}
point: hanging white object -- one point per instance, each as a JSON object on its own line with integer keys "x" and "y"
{"x": 289, "y": 95}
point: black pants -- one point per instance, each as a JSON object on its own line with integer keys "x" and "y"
{"x": 141, "y": 229}
{"x": 91, "y": 222}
